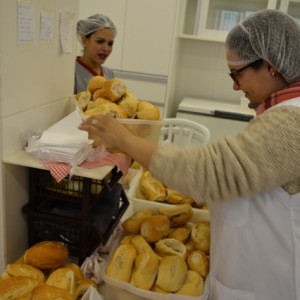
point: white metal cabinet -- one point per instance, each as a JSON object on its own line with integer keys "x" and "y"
{"x": 292, "y": 7}
{"x": 212, "y": 19}
{"x": 149, "y": 30}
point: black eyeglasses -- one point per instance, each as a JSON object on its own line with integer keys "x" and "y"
{"x": 233, "y": 74}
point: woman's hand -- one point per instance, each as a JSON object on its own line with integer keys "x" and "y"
{"x": 108, "y": 129}
{"x": 117, "y": 136}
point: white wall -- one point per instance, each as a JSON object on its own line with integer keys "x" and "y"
{"x": 36, "y": 83}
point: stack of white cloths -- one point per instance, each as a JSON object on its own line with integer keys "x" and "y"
{"x": 62, "y": 142}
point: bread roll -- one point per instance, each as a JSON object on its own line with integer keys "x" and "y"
{"x": 155, "y": 228}
{"x": 133, "y": 223}
{"x": 126, "y": 239}
{"x": 46, "y": 255}
{"x": 179, "y": 214}
{"x": 95, "y": 83}
{"x": 105, "y": 108}
{"x": 151, "y": 187}
{"x": 142, "y": 246}
{"x": 121, "y": 264}
{"x": 172, "y": 272}
{"x": 175, "y": 197}
{"x": 76, "y": 269}
{"x": 180, "y": 233}
{"x": 130, "y": 104}
{"x": 169, "y": 246}
{"x": 193, "y": 285}
{"x": 145, "y": 271}
{"x": 159, "y": 290}
{"x": 83, "y": 98}
{"x": 114, "y": 89}
{"x": 25, "y": 271}
{"x": 198, "y": 262}
{"x": 63, "y": 278}
{"x": 147, "y": 111}
{"x": 201, "y": 236}
{"x": 189, "y": 245}
{"x": 16, "y": 287}
{"x": 81, "y": 287}
{"x": 48, "y": 292}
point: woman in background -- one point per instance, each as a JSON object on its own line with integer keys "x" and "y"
{"x": 96, "y": 35}
{"x": 251, "y": 181}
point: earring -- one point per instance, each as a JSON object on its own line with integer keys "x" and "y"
{"x": 273, "y": 73}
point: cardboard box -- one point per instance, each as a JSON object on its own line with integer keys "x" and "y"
{"x": 118, "y": 290}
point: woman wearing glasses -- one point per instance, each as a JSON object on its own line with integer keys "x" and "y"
{"x": 251, "y": 181}
{"x": 96, "y": 35}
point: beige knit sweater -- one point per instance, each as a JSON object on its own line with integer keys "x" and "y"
{"x": 265, "y": 155}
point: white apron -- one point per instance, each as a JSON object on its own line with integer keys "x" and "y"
{"x": 255, "y": 243}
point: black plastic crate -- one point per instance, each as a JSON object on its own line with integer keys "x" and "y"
{"x": 81, "y": 213}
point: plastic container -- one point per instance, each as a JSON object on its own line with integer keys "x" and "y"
{"x": 119, "y": 290}
{"x": 147, "y": 129}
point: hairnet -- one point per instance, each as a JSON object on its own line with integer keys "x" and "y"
{"x": 271, "y": 35}
{"x": 94, "y": 23}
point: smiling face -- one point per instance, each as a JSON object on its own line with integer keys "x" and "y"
{"x": 257, "y": 83}
{"x": 98, "y": 47}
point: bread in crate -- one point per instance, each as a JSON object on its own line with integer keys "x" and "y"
{"x": 173, "y": 263}
{"x": 144, "y": 186}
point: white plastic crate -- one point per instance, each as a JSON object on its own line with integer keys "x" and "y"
{"x": 119, "y": 290}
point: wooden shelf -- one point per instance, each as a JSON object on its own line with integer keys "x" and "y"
{"x": 24, "y": 159}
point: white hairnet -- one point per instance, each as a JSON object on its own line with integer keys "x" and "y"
{"x": 94, "y": 23}
{"x": 271, "y": 35}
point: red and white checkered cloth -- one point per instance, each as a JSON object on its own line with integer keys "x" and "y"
{"x": 60, "y": 170}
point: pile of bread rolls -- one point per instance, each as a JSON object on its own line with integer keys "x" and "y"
{"x": 150, "y": 188}
{"x": 44, "y": 273}
{"x": 105, "y": 96}
{"x": 163, "y": 252}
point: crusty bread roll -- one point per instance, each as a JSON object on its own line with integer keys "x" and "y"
{"x": 48, "y": 292}
{"x": 130, "y": 104}
{"x": 172, "y": 272}
{"x": 147, "y": 111}
{"x": 121, "y": 264}
{"x": 180, "y": 233}
{"x": 95, "y": 83}
{"x": 198, "y": 261}
{"x": 179, "y": 214}
{"x": 169, "y": 246}
{"x": 155, "y": 228}
{"x": 126, "y": 239}
{"x": 189, "y": 245}
{"x": 193, "y": 285}
{"x": 83, "y": 98}
{"x": 46, "y": 255}
{"x": 16, "y": 287}
{"x": 200, "y": 236}
{"x": 145, "y": 271}
{"x": 151, "y": 187}
{"x": 142, "y": 246}
{"x": 98, "y": 101}
{"x": 175, "y": 197}
{"x": 105, "y": 108}
{"x": 25, "y": 271}
{"x": 114, "y": 89}
{"x": 81, "y": 287}
{"x": 76, "y": 269}
{"x": 159, "y": 290}
{"x": 63, "y": 278}
{"x": 133, "y": 223}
